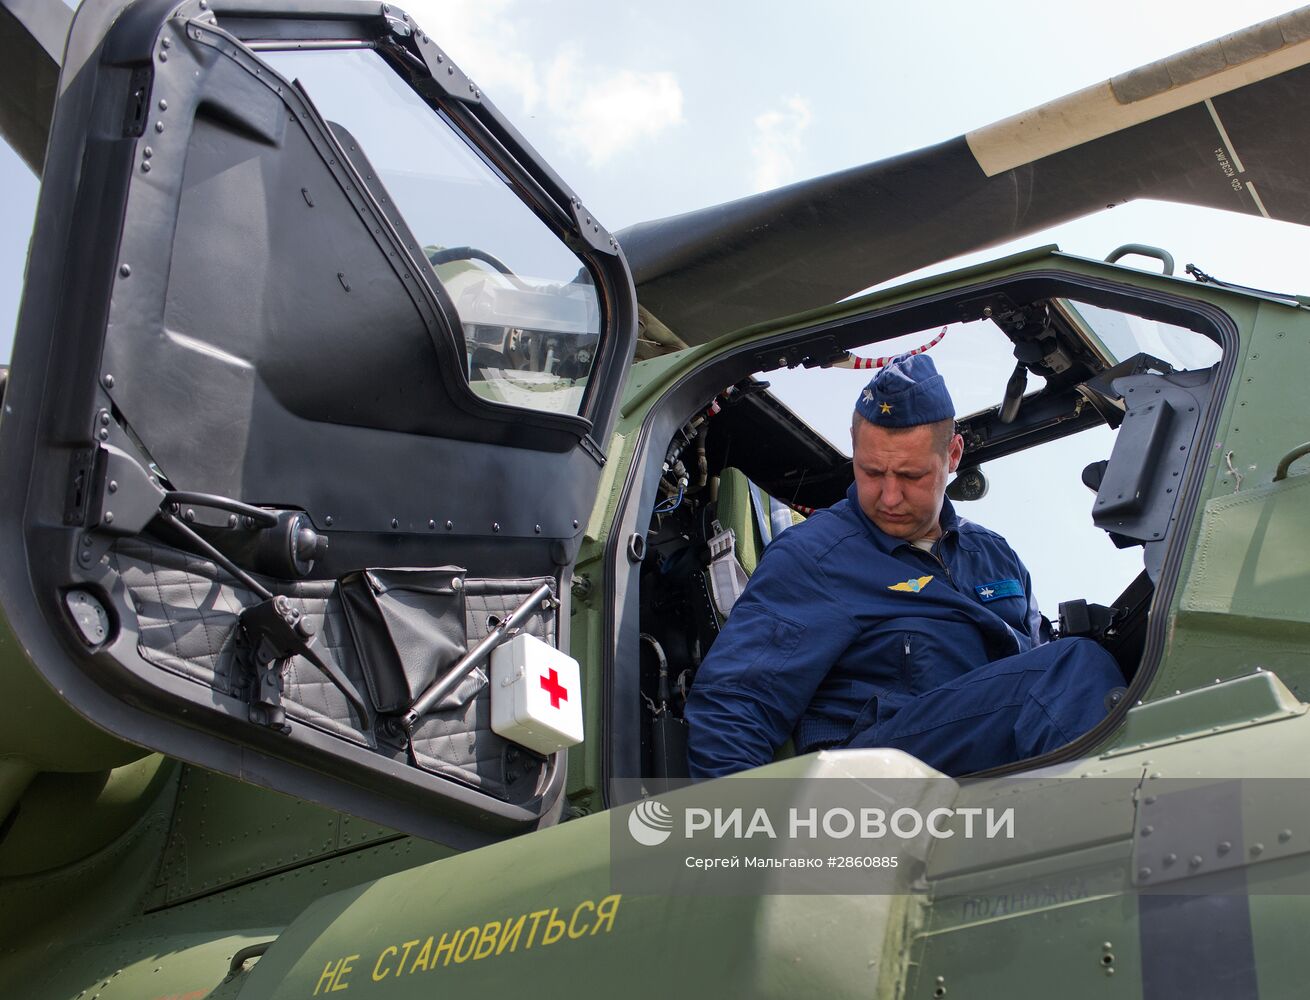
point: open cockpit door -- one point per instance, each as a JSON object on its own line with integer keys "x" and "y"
{"x": 314, "y": 374}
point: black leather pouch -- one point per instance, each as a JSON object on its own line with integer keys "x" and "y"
{"x": 408, "y": 627}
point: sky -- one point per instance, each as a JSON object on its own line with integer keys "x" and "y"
{"x": 649, "y": 110}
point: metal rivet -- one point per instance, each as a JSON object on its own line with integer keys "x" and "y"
{"x": 147, "y": 152}
{"x": 109, "y": 517}
{"x": 328, "y": 520}
{"x": 1170, "y": 858}
{"x": 167, "y": 43}
{"x": 231, "y": 520}
{"x": 450, "y": 525}
{"x": 103, "y": 435}
{"x": 159, "y": 126}
{"x": 495, "y": 526}
{"x": 1257, "y": 850}
{"x": 1225, "y": 847}
{"x": 145, "y": 167}
{"x": 190, "y": 514}
{"x": 395, "y": 522}
{"x": 1284, "y": 836}
{"x": 431, "y": 524}
{"x": 163, "y": 104}
{"x": 1143, "y": 873}
{"x": 1147, "y": 831}
{"x": 104, "y": 419}
{"x": 575, "y": 522}
{"x": 1107, "y": 946}
{"x": 163, "y": 57}
{"x": 1150, "y": 800}
{"x": 1109, "y": 970}
{"x": 536, "y": 529}
{"x": 125, "y": 271}
{"x": 1195, "y": 861}
{"x": 113, "y": 486}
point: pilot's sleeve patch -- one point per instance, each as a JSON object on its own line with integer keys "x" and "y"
{"x": 995, "y": 591}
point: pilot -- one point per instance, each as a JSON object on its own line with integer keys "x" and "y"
{"x": 888, "y": 620}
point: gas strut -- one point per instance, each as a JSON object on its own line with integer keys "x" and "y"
{"x": 442, "y": 685}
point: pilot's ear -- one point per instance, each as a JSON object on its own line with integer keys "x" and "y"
{"x": 955, "y": 452}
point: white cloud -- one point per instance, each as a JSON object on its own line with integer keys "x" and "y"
{"x": 777, "y": 141}
{"x": 602, "y": 114}
{"x": 594, "y": 111}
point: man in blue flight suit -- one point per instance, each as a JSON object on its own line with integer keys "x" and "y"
{"x": 889, "y": 621}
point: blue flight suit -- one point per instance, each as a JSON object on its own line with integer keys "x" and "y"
{"x": 846, "y": 636}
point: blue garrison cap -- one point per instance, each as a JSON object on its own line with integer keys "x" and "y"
{"x": 906, "y": 392}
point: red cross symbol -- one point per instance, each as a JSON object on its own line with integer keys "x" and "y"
{"x": 554, "y": 688}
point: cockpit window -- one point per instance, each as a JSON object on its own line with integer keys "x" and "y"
{"x": 527, "y": 304}
{"x": 1062, "y": 419}
{"x": 1121, "y": 335}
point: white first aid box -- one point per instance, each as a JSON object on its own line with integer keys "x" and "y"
{"x": 536, "y": 695}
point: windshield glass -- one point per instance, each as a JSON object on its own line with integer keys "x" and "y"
{"x": 527, "y": 304}
{"x": 1121, "y": 335}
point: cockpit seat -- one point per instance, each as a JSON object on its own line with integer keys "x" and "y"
{"x": 747, "y": 519}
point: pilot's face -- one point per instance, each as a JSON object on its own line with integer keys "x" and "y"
{"x": 900, "y": 477}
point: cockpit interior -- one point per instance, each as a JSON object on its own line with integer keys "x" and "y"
{"x": 1079, "y": 410}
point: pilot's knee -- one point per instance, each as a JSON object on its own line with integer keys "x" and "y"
{"x": 1088, "y": 661}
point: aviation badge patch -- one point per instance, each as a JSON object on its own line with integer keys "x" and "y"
{"x": 913, "y": 585}
{"x": 995, "y": 591}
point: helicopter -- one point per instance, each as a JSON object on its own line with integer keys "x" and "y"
{"x": 312, "y": 455}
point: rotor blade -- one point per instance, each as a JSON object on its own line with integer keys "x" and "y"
{"x": 1222, "y": 125}
{"x": 32, "y": 34}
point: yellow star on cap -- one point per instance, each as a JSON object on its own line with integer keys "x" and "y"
{"x": 884, "y": 407}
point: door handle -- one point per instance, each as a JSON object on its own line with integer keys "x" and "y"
{"x": 1142, "y": 250}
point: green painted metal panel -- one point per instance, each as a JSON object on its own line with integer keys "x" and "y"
{"x": 1224, "y": 705}
{"x": 1053, "y": 951}
{"x": 48, "y": 918}
{"x": 225, "y": 832}
{"x": 1251, "y": 556}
